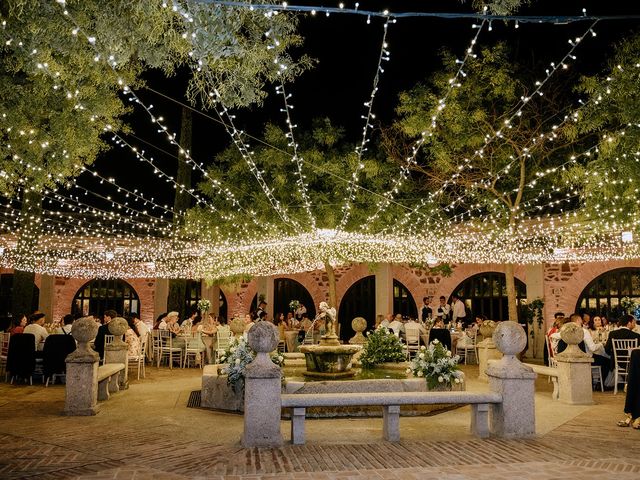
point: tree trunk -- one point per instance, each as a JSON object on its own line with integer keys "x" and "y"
{"x": 511, "y": 291}
{"x": 24, "y": 297}
{"x": 333, "y": 301}
{"x": 176, "y": 300}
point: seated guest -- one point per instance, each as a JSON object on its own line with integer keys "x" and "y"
{"x": 132, "y": 338}
{"x": 67, "y": 323}
{"x": 188, "y": 323}
{"x": 141, "y": 327}
{"x": 102, "y": 331}
{"x": 438, "y": 332}
{"x": 18, "y": 324}
{"x": 156, "y": 324}
{"x": 396, "y": 326}
{"x": 626, "y": 324}
{"x": 36, "y": 328}
{"x": 170, "y": 322}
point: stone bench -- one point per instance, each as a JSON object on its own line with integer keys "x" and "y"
{"x": 390, "y": 403}
{"x": 552, "y": 373}
{"x": 108, "y": 379}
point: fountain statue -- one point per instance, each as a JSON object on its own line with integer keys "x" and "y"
{"x": 329, "y": 359}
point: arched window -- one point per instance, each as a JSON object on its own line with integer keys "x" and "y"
{"x": 403, "y": 302}
{"x": 193, "y": 294}
{"x": 486, "y": 294}
{"x": 285, "y": 290}
{"x": 358, "y": 301}
{"x": 99, "y": 295}
{"x": 602, "y": 296}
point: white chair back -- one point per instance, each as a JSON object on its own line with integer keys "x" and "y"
{"x": 621, "y": 356}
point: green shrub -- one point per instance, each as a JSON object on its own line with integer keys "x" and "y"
{"x": 382, "y": 346}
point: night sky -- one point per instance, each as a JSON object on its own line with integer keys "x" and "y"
{"x": 347, "y": 48}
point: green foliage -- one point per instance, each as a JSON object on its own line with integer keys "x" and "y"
{"x": 328, "y": 159}
{"x": 382, "y": 346}
{"x": 533, "y": 312}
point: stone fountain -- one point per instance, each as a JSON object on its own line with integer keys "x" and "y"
{"x": 329, "y": 359}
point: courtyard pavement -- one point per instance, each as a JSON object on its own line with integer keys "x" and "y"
{"x": 148, "y": 432}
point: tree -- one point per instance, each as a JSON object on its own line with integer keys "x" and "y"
{"x": 328, "y": 160}
{"x": 609, "y": 180}
{"x": 62, "y": 81}
{"x": 482, "y": 162}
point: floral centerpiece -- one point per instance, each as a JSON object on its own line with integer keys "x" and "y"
{"x": 235, "y": 359}
{"x": 629, "y": 306}
{"x": 436, "y": 364}
{"x": 382, "y": 346}
{"x": 294, "y": 305}
{"x": 204, "y": 305}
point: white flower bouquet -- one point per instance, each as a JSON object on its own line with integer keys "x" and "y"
{"x": 235, "y": 359}
{"x": 294, "y": 305}
{"x": 204, "y": 305}
{"x": 436, "y": 364}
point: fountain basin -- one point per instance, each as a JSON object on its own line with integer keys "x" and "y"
{"x": 329, "y": 361}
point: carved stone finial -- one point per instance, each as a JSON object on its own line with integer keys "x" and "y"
{"x": 118, "y": 327}
{"x": 359, "y": 325}
{"x": 263, "y": 337}
{"x": 84, "y": 330}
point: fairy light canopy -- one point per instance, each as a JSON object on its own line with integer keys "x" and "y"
{"x": 549, "y": 177}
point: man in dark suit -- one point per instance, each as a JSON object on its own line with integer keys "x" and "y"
{"x": 626, "y": 324}
{"x": 425, "y": 311}
{"x": 102, "y": 331}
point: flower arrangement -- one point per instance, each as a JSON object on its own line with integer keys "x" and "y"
{"x": 236, "y": 358}
{"x": 629, "y": 306}
{"x": 294, "y": 305}
{"x": 436, "y": 364}
{"x": 204, "y": 305}
{"x": 382, "y": 346}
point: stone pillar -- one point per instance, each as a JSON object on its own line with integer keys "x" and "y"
{"x": 574, "y": 368}
{"x": 81, "y": 390}
{"x": 487, "y": 349}
{"x": 535, "y": 290}
{"x": 211, "y": 293}
{"x": 118, "y": 351}
{"x": 47, "y": 295}
{"x": 160, "y": 297}
{"x": 264, "y": 286}
{"x": 515, "y": 416}
{"x": 262, "y": 401}
{"x": 359, "y": 325}
{"x": 384, "y": 289}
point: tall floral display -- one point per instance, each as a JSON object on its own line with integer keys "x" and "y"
{"x": 436, "y": 364}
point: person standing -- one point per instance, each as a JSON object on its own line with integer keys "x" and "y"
{"x": 425, "y": 310}
{"x": 443, "y": 310}
{"x": 459, "y": 310}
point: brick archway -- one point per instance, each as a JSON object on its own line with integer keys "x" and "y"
{"x": 409, "y": 279}
{"x": 567, "y": 293}
{"x": 463, "y": 271}
{"x": 351, "y": 276}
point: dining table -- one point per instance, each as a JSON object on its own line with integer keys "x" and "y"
{"x": 291, "y": 340}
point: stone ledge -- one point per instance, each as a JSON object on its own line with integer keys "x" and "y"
{"x": 388, "y": 398}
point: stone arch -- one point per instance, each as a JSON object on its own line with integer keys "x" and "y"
{"x": 307, "y": 280}
{"x": 409, "y": 279}
{"x": 466, "y": 270}
{"x": 567, "y": 293}
{"x": 351, "y": 276}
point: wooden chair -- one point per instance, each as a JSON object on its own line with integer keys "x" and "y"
{"x": 412, "y": 339}
{"x": 139, "y": 358}
{"x": 621, "y": 356}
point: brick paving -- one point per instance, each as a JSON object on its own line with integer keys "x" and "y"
{"x": 148, "y": 432}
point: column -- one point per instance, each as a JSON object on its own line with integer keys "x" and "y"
{"x": 211, "y": 293}
{"x": 264, "y": 286}
{"x": 81, "y": 389}
{"x": 535, "y": 290}
{"x": 262, "y": 400}
{"x": 47, "y": 296}
{"x": 574, "y": 368}
{"x": 384, "y": 289}
{"x": 160, "y": 297}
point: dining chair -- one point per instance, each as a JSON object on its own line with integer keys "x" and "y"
{"x": 4, "y": 350}
{"x": 621, "y": 356}
{"x": 108, "y": 340}
{"x": 468, "y": 346}
{"x": 412, "y": 339}
{"x": 139, "y": 359}
{"x": 596, "y": 376}
{"x": 166, "y": 348}
{"x": 194, "y": 347}
{"x": 223, "y": 338}
{"x": 54, "y": 353}
{"x": 21, "y": 356}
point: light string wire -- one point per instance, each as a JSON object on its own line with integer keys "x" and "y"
{"x": 216, "y": 184}
{"x": 368, "y": 118}
{"x": 405, "y": 168}
{"x": 537, "y": 19}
